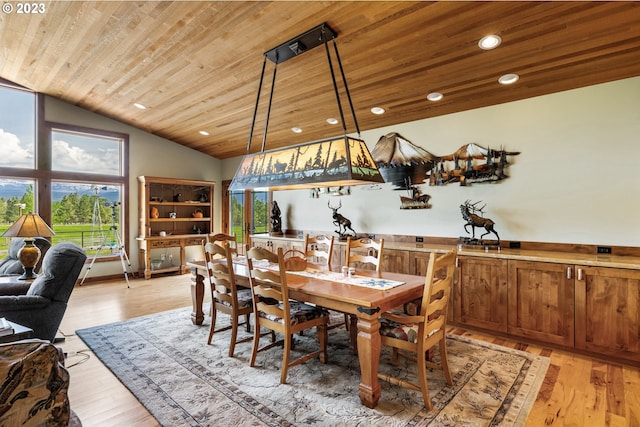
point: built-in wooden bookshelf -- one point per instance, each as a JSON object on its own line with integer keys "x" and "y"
{"x": 172, "y": 213}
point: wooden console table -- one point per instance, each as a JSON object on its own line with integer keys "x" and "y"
{"x": 147, "y": 244}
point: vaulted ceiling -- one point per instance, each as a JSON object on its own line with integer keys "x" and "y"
{"x": 196, "y": 65}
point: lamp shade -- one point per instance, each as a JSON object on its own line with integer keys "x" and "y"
{"x": 29, "y": 225}
{"x": 333, "y": 162}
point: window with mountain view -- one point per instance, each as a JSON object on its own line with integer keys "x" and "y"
{"x": 85, "y": 179}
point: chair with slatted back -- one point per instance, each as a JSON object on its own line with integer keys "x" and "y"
{"x": 418, "y": 333}
{"x": 364, "y": 251}
{"x": 319, "y": 250}
{"x": 226, "y": 297}
{"x": 221, "y": 238}
{"x": 286, "y": 317}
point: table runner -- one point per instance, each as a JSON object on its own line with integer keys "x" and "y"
{"x": 364, "y": 281}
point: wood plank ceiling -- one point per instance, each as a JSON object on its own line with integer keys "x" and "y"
{"x": 196, "y": 65}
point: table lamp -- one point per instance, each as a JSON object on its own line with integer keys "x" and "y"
{"x": 29, "y": 226}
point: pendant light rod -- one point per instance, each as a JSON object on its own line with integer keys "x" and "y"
{"x": 346, "y": 88}
{"x": 255, "y": 110}
{"x": 266, "y": 123}
{"x": 335, "y": 84}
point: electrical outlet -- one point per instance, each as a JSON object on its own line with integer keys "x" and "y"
{"x": 419, "y": 239}
{"x": 603, "y": 249}
{"x": 514, "y": 245}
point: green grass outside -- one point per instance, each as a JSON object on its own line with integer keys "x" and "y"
{"x": 237, "y": 231}
{"x": 77, "y": 233}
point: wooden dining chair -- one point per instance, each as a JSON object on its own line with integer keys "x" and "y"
{"x": 364, "y": 251}
{"x": 418, "y": 333}
{"x": 273, "y": 310}
{"x": 226, "y": 297}
{"x": 221, "y": 238}
{"x": 319, "y": 249}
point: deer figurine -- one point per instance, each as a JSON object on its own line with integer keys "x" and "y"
{"x": 340, "y": 221}
{"x": 468, "y": 214}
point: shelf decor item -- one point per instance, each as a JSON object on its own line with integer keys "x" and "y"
{"x": 155, "y": 213}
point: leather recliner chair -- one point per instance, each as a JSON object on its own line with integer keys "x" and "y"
{"x": 42, "y": 306}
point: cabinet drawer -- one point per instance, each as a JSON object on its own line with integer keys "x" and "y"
{"x": 195, "y": 241}
{"x": 165, "y": 243}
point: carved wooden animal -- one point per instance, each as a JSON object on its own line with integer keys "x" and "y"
{"x": 340, "y": 221}
{"x": 474, "y": 220}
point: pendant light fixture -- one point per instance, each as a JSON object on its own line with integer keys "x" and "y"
{"x": 332, "y": 162}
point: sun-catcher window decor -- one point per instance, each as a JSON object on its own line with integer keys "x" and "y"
{"x": 331, "y": 162}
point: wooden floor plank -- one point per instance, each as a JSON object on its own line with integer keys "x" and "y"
{"x": 632, "y": 395}
{"x": 577, "y": 390}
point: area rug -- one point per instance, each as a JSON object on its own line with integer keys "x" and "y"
{"x": 165, "y": 362}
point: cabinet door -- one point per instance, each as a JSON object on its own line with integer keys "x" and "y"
{"x": 418, "y": 262}
{"x": 608, "y": 311}
{"x": 541, "y": 301}
{"x": 395, "y": 261}
{"x": 480, "y": 293}
{"x": 260, "y": 242}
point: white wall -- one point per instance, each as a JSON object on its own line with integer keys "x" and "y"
{"x": 148, "y": 155}
{"x": 574, "y": 181}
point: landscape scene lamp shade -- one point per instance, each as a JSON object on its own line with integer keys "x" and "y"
{"x": 29, "y": 226}
{"x": 340, "y": 161}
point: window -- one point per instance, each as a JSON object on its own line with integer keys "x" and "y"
{"x": 76, "y": 178}
{"x": 17, "y": 127}
{"x": 87, "y": 214}
{"x": 249, "y": 214}
{"x": 83, "y": 152}
{"x": 88, "y": 187}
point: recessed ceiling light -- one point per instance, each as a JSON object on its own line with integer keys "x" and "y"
{"x": 204, "y": 133}
{"x": 508, "y": 79}
{"x": 140, "y": 106}
{"x": 435, "y": 96}
{"x": 377, "y": 110}
{"x": 332, "y": 121}
{"x": 490, "y": 42}
{"x": 296, "y": 130}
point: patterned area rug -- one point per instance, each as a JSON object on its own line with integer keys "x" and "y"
{"x": 165, "y": 362}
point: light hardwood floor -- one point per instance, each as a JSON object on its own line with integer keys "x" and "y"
{"x": 577, "y": 391}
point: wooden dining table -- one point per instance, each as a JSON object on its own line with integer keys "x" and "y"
{"x": 365, "y": 303}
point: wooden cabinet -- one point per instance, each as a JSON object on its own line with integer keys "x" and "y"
{"x": 541, "y": 301}
{"x": 607, "y": 311}
{"x": 539, "y": 297}
{"x": 272, "y": 244}
{"x": 395, "y": 261}
{"x": 480, "y": 293}
{"x": 418, "y": 262}
{"x": 172, "y": 213}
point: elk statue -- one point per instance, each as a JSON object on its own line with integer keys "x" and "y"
{"x": 341, "y": 222}
{"x": 468, "y": 214}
